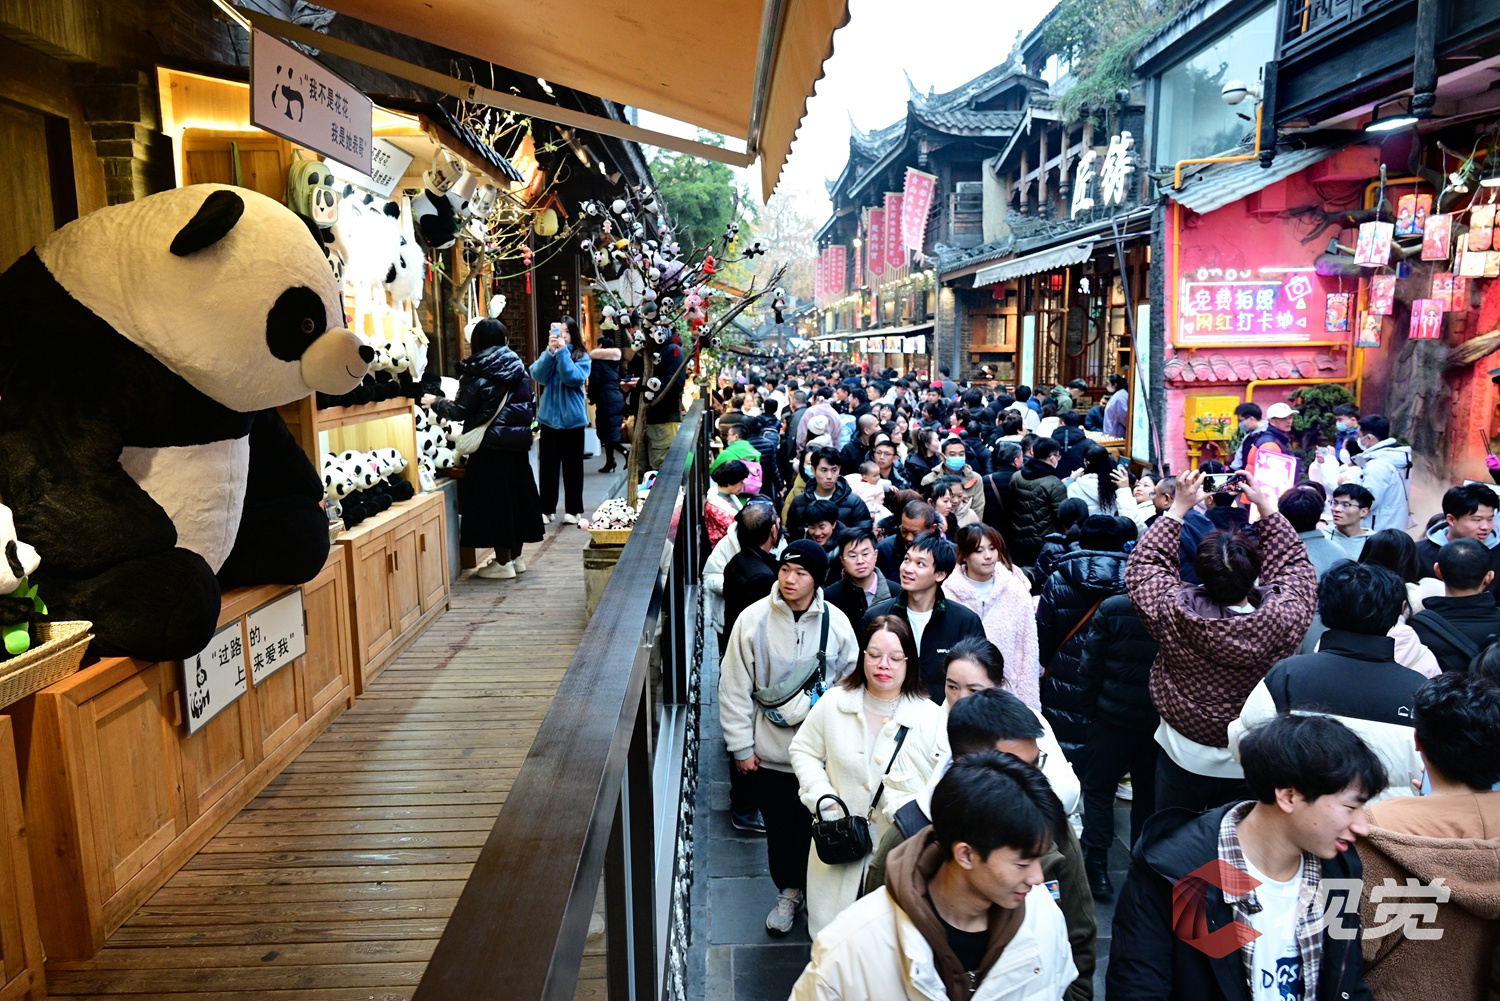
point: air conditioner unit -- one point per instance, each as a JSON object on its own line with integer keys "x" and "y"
{"x": 1358, "y": 163}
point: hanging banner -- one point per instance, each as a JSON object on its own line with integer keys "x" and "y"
{"x": 858, "y": 260}
{"x": 875, "y": 243}
{"x": 838, "y": 271}
{"x": 299, "y": 99}
{"x": 916, "y": 203}
{"x": 895, "y": 249}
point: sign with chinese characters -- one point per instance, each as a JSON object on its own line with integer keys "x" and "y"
{"x": 1112, "y": 177}
{"x": 278, "y": 635}
{"x": 388, "y": 164}
{"x": 1227, "y": 306}
{"x": 838, "y": 270}
{"x": 298, "y": 98}
{"x": 875, "y": 243}
{"x": 213, "y": 679}
{"x": 916, "y": 203}
{"x": 895, "y": 249}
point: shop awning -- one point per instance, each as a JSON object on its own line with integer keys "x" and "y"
{"x": 907, "y": 331}
{"x": 1223, "y": 184}
{"x": 1031, "y": 264}
{"x": 746, "y": 73}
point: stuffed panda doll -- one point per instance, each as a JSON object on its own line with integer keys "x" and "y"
{"x": 143, "y": 351}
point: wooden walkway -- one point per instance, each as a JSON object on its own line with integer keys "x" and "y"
{"x": 335, "y": 883}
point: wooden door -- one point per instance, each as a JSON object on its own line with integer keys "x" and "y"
{"x": 218, "y": 755}
{"x": 406, "y": 590}
{"x": 20, "y": 941}
{"x": 372, "y": 596}
{"x": 323, "y": 673}
{"x": 278, "y": 708}
{"x": 24, "y": 180}
{"x": 131, "y": 757}
{"x": 432, "y": 557}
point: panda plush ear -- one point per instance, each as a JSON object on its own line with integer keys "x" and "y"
{"x": 212, "y": 222}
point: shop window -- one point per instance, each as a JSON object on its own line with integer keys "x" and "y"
{"x": 1192, "y": 119}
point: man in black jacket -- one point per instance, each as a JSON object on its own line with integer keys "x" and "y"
{"x": 1114, "y": 678}
{"x": 916, "y": 517}
{"x": 857, "y": 450}
{"x": 1074, "y": 442}
{"x": 1036, "y": 493}
{"x": 750, "y": 573}
{"x": 862, "y": 583}
{"x": 1458, "y": 625}
{"x": 827, "y": 484}
{"x": 1190, "y": 925}
{"x": 936, "y": 623}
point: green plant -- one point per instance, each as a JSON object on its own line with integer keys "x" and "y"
{"x": 1101, "y": 42}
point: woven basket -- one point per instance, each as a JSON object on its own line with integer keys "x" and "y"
{"x": 610, "y": 536}
{"x": 58, "y": 655}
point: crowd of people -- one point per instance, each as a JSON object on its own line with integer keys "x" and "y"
{"x": 955, "y": 629}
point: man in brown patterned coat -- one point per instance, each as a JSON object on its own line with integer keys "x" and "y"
{"x": 1217, "y": 639}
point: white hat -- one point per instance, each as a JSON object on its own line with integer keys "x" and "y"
{"x": 1278, "y": 411}
{"x": 817, "y": 423}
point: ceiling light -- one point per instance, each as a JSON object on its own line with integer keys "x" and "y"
{"x": 1395, "y": 119}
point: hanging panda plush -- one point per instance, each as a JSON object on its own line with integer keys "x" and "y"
{"x": 143, "y": 349}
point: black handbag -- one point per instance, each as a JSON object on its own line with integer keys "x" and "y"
{"x": 847, "y": 839}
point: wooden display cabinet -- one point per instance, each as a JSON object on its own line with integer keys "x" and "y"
{"x": 20, "y": 941}
{"x": 363, "y": 428}
{"x": 398, "y": 578}
{"x": 118, "y": 796}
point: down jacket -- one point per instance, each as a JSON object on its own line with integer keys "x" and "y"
{"x": 483, "y": 381}
{"x": 1035, "y": 495}
{"x": 604, "y": 392}
{"x": 1114, "y": 674}
{"x": 1081, "y": 581}
{"x": 852, "y": 510}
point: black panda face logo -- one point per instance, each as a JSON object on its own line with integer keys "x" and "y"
{"x": 294, "y": 322}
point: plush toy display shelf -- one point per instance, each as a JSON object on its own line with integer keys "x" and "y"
{"x": 58, "y": 655}
{"x": 363, "y": 427}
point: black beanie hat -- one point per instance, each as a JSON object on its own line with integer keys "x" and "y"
{"x": 808, "y": 555}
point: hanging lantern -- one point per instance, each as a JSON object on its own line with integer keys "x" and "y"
{"x": 544, "y": 223}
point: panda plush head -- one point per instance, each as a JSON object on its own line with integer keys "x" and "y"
{"x": 222, "y": 285}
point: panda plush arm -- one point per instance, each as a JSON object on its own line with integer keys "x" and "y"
{"x": 283, "y": 534}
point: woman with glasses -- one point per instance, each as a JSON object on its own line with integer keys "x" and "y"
{"x": 877, "y": 716}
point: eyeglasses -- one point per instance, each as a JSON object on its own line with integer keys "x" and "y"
{"x": 1340, "y": 504}
{"x": 895, "y": 659}
{"x": 759, "y": 499}
{"x": 1041, "y": 760}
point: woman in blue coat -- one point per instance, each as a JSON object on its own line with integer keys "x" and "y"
{"x": 561, "y": 373}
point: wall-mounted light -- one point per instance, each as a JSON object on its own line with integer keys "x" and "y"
{"x": 1396, "y": 118}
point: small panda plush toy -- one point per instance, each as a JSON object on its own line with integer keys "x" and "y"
{"x": 143, "y": 351}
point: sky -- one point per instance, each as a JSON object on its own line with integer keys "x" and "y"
{"x": 939, "y": 43}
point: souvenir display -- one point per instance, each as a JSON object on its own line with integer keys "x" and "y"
{"x": 1426, "y": 319}
{"x": 1437, "y": 238}
{"x": 1382, "y": 294}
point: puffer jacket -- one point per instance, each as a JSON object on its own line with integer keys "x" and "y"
{"x": 1074, "y": 443}
{"x": 1081, "y": 581}
{"x": 483, "y": 381}
{"x": 1211, "y": 659}
{"x": 852, "y": 511}
{"x": 562, "y": 378}
{"x": 1387, "y": 466}
{"x": 1035, "y": 494}
{"x": 604, "y": 392}
{"x": 1114, "y": 673}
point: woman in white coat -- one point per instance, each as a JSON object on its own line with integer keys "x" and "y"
{"x": 849, "y": 741}
{"x": 1105, "y": 487}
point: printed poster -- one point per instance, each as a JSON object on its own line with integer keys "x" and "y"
{"x": 1437, "y": 238}
{"x": 1382, "y": 294}
{"x": 1373, "y": 249}
{"x": 1426, "y": 320}
{"x": 1411, "y": 214}
{"x": 1481, "y": 227}
{"x": 1336, "y": 312}
{"x": 1369, "y": 331}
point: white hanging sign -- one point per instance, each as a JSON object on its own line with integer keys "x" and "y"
{"x": 388, "y": 164}
{"x": 278, "y": 635}
{"x": 215, "y": 678}
{"x": 298, "y": 98}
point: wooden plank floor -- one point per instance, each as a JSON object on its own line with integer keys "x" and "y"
{"x": 335, "y": 883}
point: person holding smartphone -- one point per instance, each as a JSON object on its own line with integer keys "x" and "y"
{"x": 562, "y": 372}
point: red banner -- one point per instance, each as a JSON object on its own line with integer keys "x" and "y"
{"x": 895, "y": 249}
{"x": 875, "y": 243}
{"x": 838, "y": 270}
{"x": 915, "y": 204}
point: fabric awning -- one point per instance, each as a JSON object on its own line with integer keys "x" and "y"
{"x": 747, "y": 71}
{"x": 1031, "y": 264}
{"x": 909, "y": 330}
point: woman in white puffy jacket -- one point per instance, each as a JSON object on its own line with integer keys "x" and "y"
{"x": 849, "y": 741}
{"x": 1105, "y": 487}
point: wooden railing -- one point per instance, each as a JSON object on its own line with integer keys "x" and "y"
{"x": 601, "y": 792}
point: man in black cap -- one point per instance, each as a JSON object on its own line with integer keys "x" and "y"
{"x": 784, "y": 651}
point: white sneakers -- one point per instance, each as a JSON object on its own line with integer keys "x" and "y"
{"x": 570, "y": 519}
{"x": 788, "y": 902}
{"x": 496, "y": 571}
{"x": 547, "y": 519}
{"x": 519, "y": 564}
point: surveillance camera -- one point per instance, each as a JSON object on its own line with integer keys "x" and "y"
{"x": 1236, "y": 91}
{"x": 1122, "y": 96}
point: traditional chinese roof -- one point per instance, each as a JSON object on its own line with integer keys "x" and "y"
{"x": 1214, "y": 186}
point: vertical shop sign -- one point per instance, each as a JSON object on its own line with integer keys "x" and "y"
{"x": 858, "y": 262}
{"x": 1119, "y": 164}
{"x": 875, "y": 243}
{"x": 895, "y": 248}
{"x": 299, "y": 99}
{"x": 916, "y": 203}
{"x": 838, "y": 267}
{"x": 1140, "y": 428}
{"x": 215, "y": 678}
{"x": 278, "y": 635}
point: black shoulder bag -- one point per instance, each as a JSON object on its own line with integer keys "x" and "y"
{"x": 847, "y": 839}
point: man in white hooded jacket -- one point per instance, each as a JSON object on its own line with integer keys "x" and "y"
{"x": 776, "y": 642}
{"x": 1386, "y": 464}
{"x": 964, "y": 915}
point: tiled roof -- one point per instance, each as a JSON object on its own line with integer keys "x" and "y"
{"x": 1217, "y": 185}
{"x": 963, "y": 94}
{"x": 962, "y": 119}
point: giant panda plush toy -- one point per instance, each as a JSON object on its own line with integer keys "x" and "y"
{"x": 143, "y": 349}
